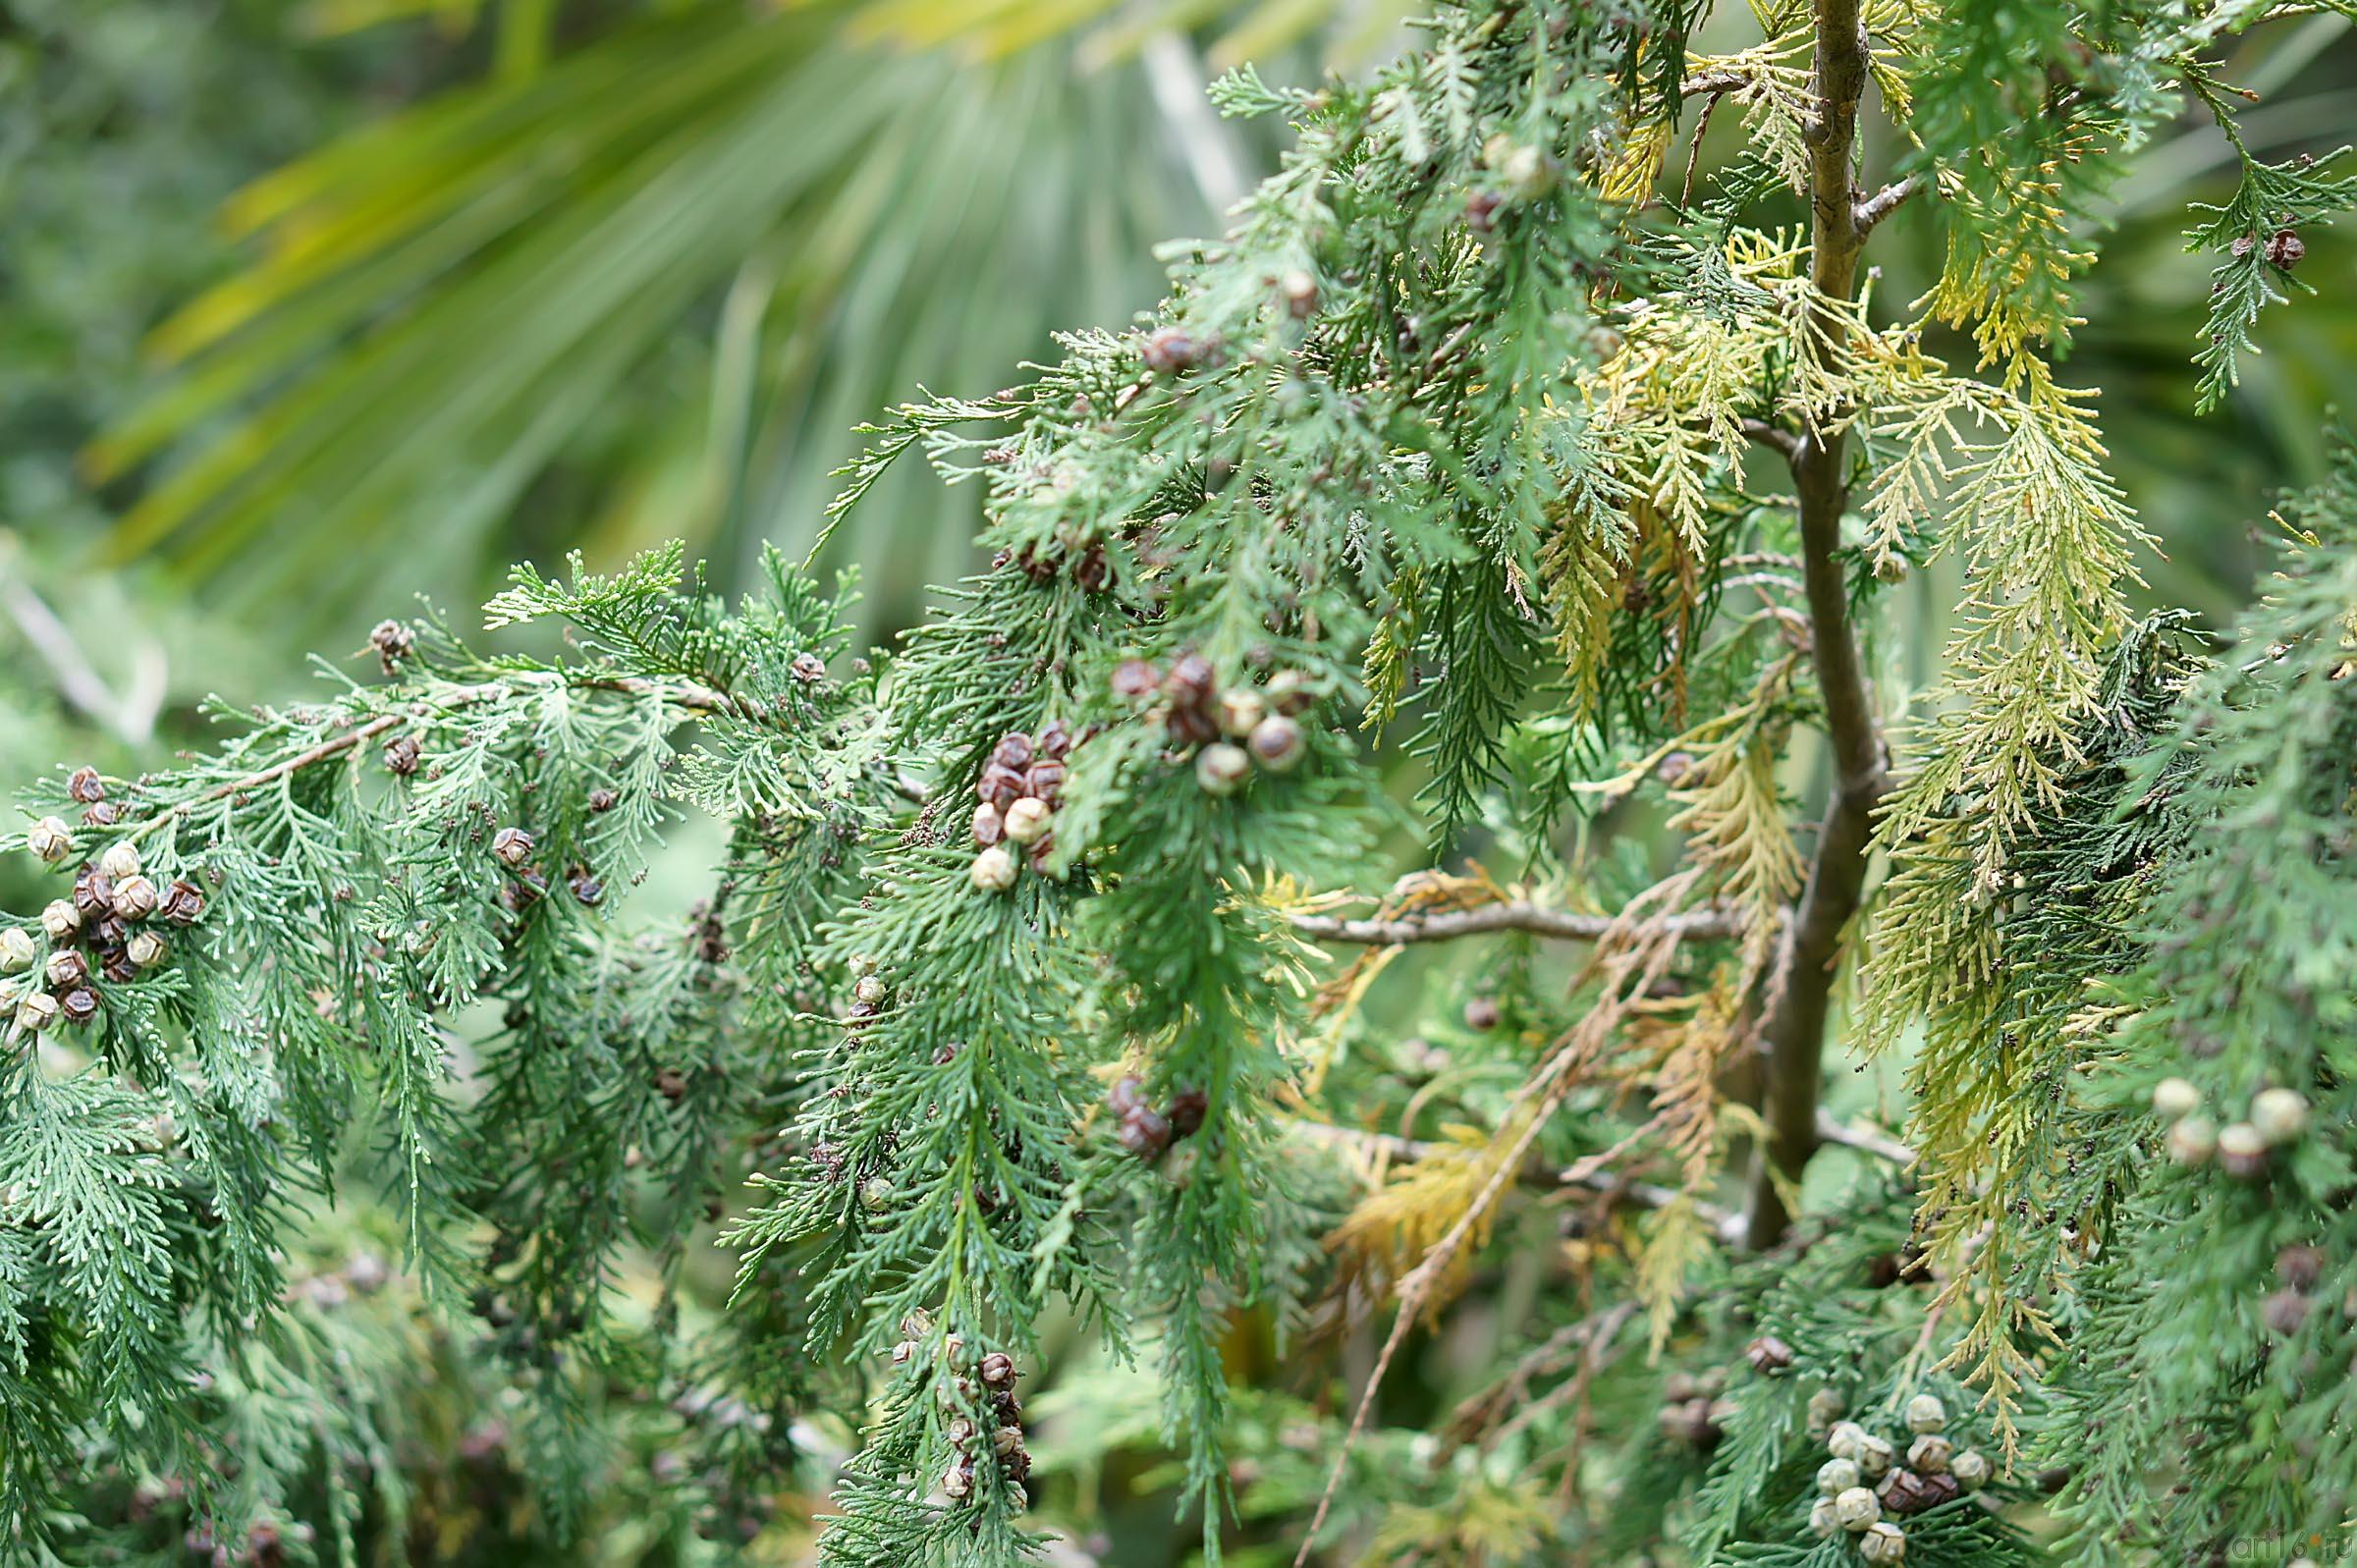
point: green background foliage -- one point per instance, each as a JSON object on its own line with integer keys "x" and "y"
{"x": 315, "y": 306}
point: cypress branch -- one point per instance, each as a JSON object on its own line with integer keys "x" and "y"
{"x": 1021, "y": 1053}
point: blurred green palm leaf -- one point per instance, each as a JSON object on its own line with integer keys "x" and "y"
{"x": 676, "y": 264}
{"x": 1248, "y": 30}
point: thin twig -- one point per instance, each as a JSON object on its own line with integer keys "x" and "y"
{"x": 1875, "y": 208}
{"x": 1713, "y": 82}
{"x": 1626, "y": 972}
{"x": 1512, "y": 915}
{"x": 1476, "y": 1415}
{"x": 1865, "y": 1140}
{"x": 1762, "y": 579}
{"x": 1772, "y": 437}
{"x": 1572, "y": 1389}
{"x": 319, "y": 753}
{"x": 1702, "y": 127}
{"x": 1448, "y": 345}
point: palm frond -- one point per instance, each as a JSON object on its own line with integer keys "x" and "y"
{"x": 680, "y": 262}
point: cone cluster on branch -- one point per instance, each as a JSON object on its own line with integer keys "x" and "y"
{"x": 1020, "y": 787}
{"x": 1867, "y": 1476}
{"x": 1231, "y": 729}
{"x": 100, "y": 934}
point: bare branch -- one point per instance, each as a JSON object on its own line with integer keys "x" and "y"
{"x": 1713, "y": 82}
{"x": 359, "y": 736}
{"x": 1702, "y": 129}
{"x": 1875, "y": 208}
{"x": 1513, "y": 915}
{"x": 1624, "y": 974}
{"x": 1774, "y": 439}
